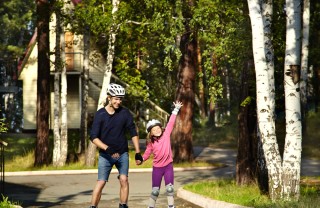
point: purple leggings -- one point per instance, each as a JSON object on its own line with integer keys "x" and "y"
{"x": 159, "y": 172}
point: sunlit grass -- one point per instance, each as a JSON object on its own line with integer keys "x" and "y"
{"x": 23, "y": 160}
{"x": 227, "y": 190}
{"x": 5, "y": 203}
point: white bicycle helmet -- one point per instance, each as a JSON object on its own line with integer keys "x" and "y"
{"x": 152, "y": 123}
{"x": 116, "y": 90}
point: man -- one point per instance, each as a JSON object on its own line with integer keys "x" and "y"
{"x": 108, "y": 134}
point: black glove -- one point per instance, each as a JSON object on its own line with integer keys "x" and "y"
{"x": 138, "y": 157}
{"x": 110, "y": 151}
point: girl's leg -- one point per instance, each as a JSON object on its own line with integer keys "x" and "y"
{"x": 157, "y": 174}
{"x": 169, "y": 181}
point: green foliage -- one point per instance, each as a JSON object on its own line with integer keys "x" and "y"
{"x": 3, "y": 126}
{"x": 5, "y": 203}
{"x": 246, "y": 101}
{"x": 152, "y": 37}
{"x": 95, "y": 14}
{"x": 17, "y": 20}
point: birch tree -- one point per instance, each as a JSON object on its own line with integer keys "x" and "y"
{"x": 266, "y": 123}
{"x": 64, "y": 105}
{"x": 60, "y": 148}
{"x": 107, "y": 76}
{"x": 267, "y": 13}
{"x": 85, "y": 91}
{"x": 284, "y": 179}
{"x": 56, "y": 86}
{"x": 292, "y": 148}
{"x": 304, "y": 62}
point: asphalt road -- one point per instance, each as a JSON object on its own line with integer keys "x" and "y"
{"x": 74, "y": 188}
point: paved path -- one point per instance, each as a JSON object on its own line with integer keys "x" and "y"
{"x": 73, "y": 188}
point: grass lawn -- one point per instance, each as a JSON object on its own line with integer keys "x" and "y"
{"x": 19, "y": 156}
{"x": 227, "y": 190}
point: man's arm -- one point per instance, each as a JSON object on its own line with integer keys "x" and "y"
{"x": 99, "y": 143}
{"x": 138, "y": 157}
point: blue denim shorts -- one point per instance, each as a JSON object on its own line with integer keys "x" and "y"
{"x": 106, "y": 162}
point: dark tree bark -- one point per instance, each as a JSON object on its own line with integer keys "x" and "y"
{"x": 316, "y": 87}
{"x": 247, "y": 140}
{"x": 213, "y": 105}
{"x": 85, "y": 92}
{"x": 182, "y": 133}
{"x": 202, "y": 106}
{"x": 43, "y": 83}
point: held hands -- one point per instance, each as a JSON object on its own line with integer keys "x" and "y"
{"x": 138, "y": 158}
{"x": 177, "y": 106}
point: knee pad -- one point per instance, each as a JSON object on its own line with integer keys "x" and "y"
{"x": 170, "y": 189}
{"x": 155, "y": 192}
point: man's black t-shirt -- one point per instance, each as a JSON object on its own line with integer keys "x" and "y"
{"x": 111, "y": 129}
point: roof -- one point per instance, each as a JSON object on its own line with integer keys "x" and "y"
{"x": 25, "y": 57}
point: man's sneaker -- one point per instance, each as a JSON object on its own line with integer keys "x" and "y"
{"x": 123, "y": 206}
{"x": 93, "y": 207}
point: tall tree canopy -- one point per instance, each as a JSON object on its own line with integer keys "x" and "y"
{"x": 17, "y": 22}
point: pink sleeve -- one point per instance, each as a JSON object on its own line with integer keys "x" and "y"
{"x": 170, "y": 124}
{"x": 147, "y": 153}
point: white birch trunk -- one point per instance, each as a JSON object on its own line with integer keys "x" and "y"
{"x": 56, "y": 112}
{"x": 85, "y": 92}
{"x": 107, "y": 76}
{"x": 292, "y": 148}
{"x": 267, "y": 12}
{"x": 304, "y": 60}
{"x": 110, "y": 56}
{"x": 64, "y": 106}
{"x": 264, "y": 111}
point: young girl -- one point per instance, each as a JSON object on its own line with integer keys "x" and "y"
{"x": 158, "y": 143}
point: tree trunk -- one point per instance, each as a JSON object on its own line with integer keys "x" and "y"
{"x": 264, "y": 114}
{"x": 64, "y": 105}
{"x": 213, "y": 104}
{"x": 182, "y": 133}
{"x": 292, "y": 148}
{"x": 262, "y": 170}
{"x": 56, "y": 126}
{"x": 90, "y": 158}
{"x": 43, "y": 84}
{"x": 247, "y": 140}
{"x": 227, "y": 90}
{"x": 201, "y": 85}
{"x": 85, "y": 91}
{"x": 304, "y": 64}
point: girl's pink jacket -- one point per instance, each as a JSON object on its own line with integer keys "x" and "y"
{"x": 161, "y": 148}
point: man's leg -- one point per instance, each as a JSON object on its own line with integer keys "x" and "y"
{"x": 124, "y": 189}
{"x": 123, "y": 168}
{"x": 96, "y": 194}
{"x": 105, "y": 164}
